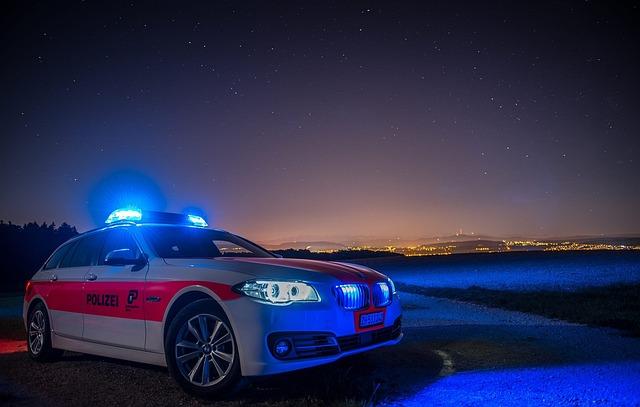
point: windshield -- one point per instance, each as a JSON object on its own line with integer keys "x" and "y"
{"x": 180, "y": 242}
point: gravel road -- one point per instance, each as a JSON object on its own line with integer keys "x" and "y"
{"x": 453, "y": 354}
{"x": 511, "y": 358}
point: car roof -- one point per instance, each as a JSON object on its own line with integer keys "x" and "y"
{"x": 139, "y": 224}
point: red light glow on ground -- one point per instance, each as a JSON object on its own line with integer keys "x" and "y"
{"x": 12, "y": 346}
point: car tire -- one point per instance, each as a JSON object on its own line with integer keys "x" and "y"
{"x": 39, "y": 335}
{"x": 201, "y": 351}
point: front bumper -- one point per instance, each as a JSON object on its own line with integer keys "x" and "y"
{"x": 254, "y": 323}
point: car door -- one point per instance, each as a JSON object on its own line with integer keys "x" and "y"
{"x": 66, "y": 299}
{"x": 114, "y": 312}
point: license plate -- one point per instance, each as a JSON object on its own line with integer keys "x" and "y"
{"x": 371, "y": 319}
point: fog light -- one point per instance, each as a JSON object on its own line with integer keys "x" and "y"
{"x": 282, "y": 347}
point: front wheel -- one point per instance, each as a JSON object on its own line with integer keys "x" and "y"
{"x": 39, "y": 335}
{"x": 201, "y": 350}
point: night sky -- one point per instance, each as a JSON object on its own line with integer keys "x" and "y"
{"x": 326, "y": 121}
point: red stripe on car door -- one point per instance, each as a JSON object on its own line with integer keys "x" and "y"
{"x": 167, "y": 289}
{"x": 118, "y": 299}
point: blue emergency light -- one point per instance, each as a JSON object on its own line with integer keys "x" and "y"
{"x": 124, "y": 215}
{"x": 197, "y": 221}
{"x": 136, "y": 215}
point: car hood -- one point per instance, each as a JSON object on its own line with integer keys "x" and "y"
{"x": 277, "y": 268}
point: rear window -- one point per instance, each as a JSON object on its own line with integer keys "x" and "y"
{"x": 69, "y": 254}
{"x": 57, "y": 257}
{"x": 85, "y": 252}
{"x": 179, "y": 242}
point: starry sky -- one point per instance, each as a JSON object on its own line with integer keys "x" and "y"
{"x": 330, "y": 121}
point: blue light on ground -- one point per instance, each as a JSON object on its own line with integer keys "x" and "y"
{"x": 583, "y": 384}
{"x": 527, "y": 359}
{"x": 519, "y": 271}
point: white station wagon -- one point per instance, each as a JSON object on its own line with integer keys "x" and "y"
{"x": 164, "y": 289}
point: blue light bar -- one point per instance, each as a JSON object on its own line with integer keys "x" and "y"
{"x": 197, "y": 221}
{"x": 136, "y": 215}
{"x": 124, "y": 215}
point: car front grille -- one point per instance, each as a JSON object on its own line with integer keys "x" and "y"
{"x": 381, "y": 294}
{"x": 315, "y": 345}
{"x": 352, "y": 296}
{"x": 364, "y": 339}
{"x": 318, "y": 344}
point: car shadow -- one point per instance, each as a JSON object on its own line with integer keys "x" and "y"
{"x": 380, "y": 373}
{"x": 377, "y": 374}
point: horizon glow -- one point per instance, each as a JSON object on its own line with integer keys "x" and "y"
{"x": 338, "y": 123}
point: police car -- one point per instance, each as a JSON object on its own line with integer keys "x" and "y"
{"x": 164, "y": 289}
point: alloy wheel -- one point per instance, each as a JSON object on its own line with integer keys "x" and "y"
{"x": 36, "y": 332}
{"x": 204, "y": 350}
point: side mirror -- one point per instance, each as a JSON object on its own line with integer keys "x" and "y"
{"x": 124, "y": 257}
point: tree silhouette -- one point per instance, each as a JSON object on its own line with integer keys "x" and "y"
{"x": 23, "y": 249}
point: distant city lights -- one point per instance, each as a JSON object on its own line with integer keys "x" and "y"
{"x": 484, "y": 247}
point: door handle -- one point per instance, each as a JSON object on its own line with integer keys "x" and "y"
{"x": 91, "y": 277}
{"x": 53, "y": 278}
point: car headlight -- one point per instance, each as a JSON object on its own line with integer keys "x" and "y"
{"x": 278, "y": 292}
{"x": 391, "y": 285}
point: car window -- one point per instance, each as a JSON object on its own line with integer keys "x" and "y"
{"x": 118, "y": 239}
{"x": 180, "y": 242}
{"x": 229, "y": 249}
{"x": 57, "y": 257}
{"x": 68, "y": 256}
{"x": 85, "y": 252}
